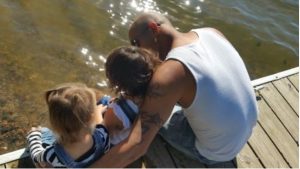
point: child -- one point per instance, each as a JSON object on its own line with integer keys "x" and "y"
{"x": 76, "y": 121}
{"x": 129, "y": 71}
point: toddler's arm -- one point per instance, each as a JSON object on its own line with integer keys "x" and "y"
{"x": 34, "y": 140}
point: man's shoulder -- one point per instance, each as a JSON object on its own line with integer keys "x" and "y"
{"x": 169, "y": 68}
{"x": 170, "y": 73}
{"x": 210, "y": 29}
{"x": 167, "y": 83}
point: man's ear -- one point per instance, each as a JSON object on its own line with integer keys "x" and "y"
{"x": 153, "y": 26}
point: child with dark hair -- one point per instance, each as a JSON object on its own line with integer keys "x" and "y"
{"x": 129, "y": 71}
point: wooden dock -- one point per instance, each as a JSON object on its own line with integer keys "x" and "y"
{"x": 274, "y": 142}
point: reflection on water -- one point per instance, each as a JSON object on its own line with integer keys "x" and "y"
{"x": 44, "y": 43}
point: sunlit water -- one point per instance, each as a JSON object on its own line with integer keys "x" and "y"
{"x": 44, "y": 43}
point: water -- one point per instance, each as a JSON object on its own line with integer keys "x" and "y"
{"x": 44, "y": 43}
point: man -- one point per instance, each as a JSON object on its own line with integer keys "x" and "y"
{"x": 204, "y": 74}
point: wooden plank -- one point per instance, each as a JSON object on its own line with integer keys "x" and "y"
{"x": 265, "y": 150}
{"x": 13, "y": 164}
{"x": 137, "y": 164}
{"x": 276, "y": 76}
{"x": 12, "y": 156}
{"x": 247, "y": 159}
{"x": 227, "y": 164}
{"x": 289, "y": 92}
{"x": 158, "y": 155}
{"x": 278, "y": 134}
{"x": 295, "y": 80}
{"x": 282, "y": 109}
{"x": 181, "y": 160}
{"x": 26, "y": 163}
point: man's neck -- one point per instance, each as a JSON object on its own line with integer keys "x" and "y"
{"x": 181, "y": 39}
{"x": 165, "y": 47}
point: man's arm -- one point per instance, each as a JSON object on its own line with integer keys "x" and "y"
{"x": 165, "y": 89}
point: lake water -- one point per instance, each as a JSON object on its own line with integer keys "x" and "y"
{"x": 47, "y": 42}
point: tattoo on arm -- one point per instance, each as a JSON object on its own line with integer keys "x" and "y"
{"x": 154, "y": 91}
{"x": 150, "y": 120}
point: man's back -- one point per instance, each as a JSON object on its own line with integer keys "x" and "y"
{"x": 224, "y": 109}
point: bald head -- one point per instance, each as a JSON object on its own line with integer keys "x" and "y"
{"x": 150, "y": 30}
{"x": 145, "y": 18}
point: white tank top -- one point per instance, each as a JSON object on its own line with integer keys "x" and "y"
{"x": 224, "y": 109}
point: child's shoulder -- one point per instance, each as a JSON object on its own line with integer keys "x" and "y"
{"x": 101, "y": 129}
{"x": 101, "y": 136}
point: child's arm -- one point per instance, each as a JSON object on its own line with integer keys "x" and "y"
{"x": 42, "y": 157}
{"x": 34, "y": 140}
{"x": 112, "y": 122}
{"x": 100, "y": 109}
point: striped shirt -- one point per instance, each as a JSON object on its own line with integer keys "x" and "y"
{"x": 57, "y": 157}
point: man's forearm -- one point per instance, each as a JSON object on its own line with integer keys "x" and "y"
{"x": 143, "y": 132}
{"x": 119, "y": 157}
{"x": 127, "y": 151}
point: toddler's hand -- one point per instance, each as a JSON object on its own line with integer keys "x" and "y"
{"x": 100, "y": 110}
{"x": 38, "y": 128}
